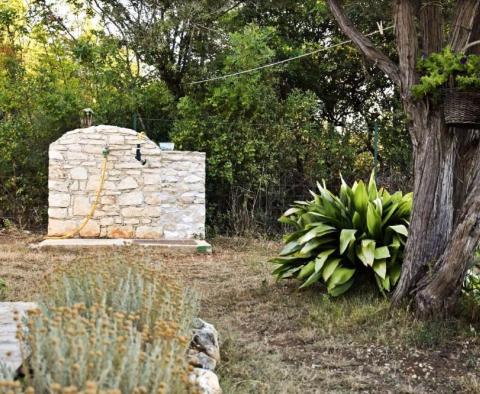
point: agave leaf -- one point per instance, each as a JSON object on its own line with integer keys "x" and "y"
{"x": 289, "y": 248}
{"x": 347, "y": 236}
{"x": 395, "y": 242}
{"x": 329, "y": 268}
{"x": 382, "y": 253}
{"x": 293, "y": 236}
{"x": 366, "y": 251}
{"x": 360, "y": 197}
{"x": 286, "y": 220}
{"x": 292, "y": 211}
{"x": 372, "y": 187}
{"x": 307, "y": 270}
{"x": 399, "y": 229}
{"x": 380, "y": 268}
{"x": 340, "y": 276}
{"x": 282, "y": 271}
{"x": 386, "y": 283}
{"x": 287, "y": 259}
{"x": 321, "y": 258}
{"x": 311, "y": 280}
{"x": 340, "y": 289}
{"x": 378, "y": 206}
{"x": 317, "y": 231}
{"x": 357, "y": 221}
{"x": 310, "y": 245}
{"x": 374, "y": 221}
{"x": 395, "y": 272}
{"x": 388, "y": 214}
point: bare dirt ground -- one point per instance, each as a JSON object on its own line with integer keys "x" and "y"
{"x": 276, "y": 339}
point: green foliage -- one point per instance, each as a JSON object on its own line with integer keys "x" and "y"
{"x": 438, "y": 68}
{"x": 3, "y": 289}
{"x": 338, "y": 237}
{"x": 471, "y": 283}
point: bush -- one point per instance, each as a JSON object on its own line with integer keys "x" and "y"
{"x": 110, "y": 325}
{"x": 338, "y": 237}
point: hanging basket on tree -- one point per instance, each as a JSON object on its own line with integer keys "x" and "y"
{"x": 462, "y": 108}
{"x": 462, "y": 73}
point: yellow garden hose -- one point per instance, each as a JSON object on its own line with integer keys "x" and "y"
{"x": 95, "y": 203}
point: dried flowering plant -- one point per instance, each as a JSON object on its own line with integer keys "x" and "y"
{"x": 109, "y": 325}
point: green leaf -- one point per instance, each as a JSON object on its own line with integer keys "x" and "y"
{"x": 395, "y": 271}
{"x": 317, "y": 231}
{"x": 357, "y": 220}
{"x": 289, "y": 248}
{"x": 340, "y": 276}
{"x": 366, "y": 251}
{"x": 374, "y": 221}
{"x": 338, "y": 290}
{"x": 310, "y": 245}
{"x": 307, "y": 270}
{"x": 311, "y": 280}
{"x": 329, "y": 268}
{"x": 400, "y": 229}
{"x": 389, "y": 213}
{"x": 386, "y": 283}
{"x": 360, "y": 197}
{"x": 347, "y": 236}
{"x": 380, "y": 268}
{"x": 292, "y": 211}
{"x": 382, "y": 253}
{"x": 372, "y": 187}
{"x": 321, "y": 258}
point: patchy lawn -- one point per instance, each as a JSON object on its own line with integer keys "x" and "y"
{"x": 276, "y": 339}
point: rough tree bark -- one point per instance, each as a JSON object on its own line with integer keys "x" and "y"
{"x": 445, "y": 223}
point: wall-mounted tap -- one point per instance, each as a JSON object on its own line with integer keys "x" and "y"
{"x": 138, "y": 156}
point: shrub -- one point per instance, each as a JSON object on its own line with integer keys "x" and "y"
{"x": 110, "y": 325}
{"x": 338, "y": 237}
{"x": 471, "y": 283}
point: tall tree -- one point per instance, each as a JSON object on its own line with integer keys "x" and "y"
{"x": 445, "y": 225}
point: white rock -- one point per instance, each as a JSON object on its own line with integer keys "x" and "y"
{"x": 81, "y": 205}
{"x": 132, "y": 198}
{"x": 57, "y": 213}
{"x": 132, "y": 212}
{"x": 205, "y": 339}
{"x": 149, "y": 232}
{"x": 206, "y": 381}
{"x": 78, "y": 173}
{"x": 127, "y": 183}
{"x": 54, "y": 154}
{"x": 60, "y": 200}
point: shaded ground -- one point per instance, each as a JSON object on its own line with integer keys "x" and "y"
{"x": 276, "y": 339}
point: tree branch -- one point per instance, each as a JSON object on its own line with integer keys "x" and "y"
{"x": 364, "y": 44}
{"x": 462, "y": 24}
{"x": 407, "y": 43}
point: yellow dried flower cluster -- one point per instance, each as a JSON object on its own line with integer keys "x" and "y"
{"x": 108, "y": 325}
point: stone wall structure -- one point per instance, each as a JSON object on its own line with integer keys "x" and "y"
{"x": 162, "y": 199}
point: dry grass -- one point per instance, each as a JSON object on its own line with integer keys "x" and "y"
{"x": 276, "y": 339}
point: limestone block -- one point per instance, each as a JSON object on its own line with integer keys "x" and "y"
{"x": 131, "y": 221}
{"x": 193, "y": 179}
{"x": 152, "y": 179}
{"x": 81, "y": 205}
{"x": 55, "y": 172}
{"x": 60, "y": 227}
{"x": 108, "y": 200}
{"x": 149, "y": 232}
{"x": 78, "y": 173}
{"x": 127, "y": 183}
{"x": 107, "y": 221}
{"x": 58, "y": 200}
{"x": 159, "y": 198}
{"x": 54, "y": 154}
{"x": 57, "y": 213}
{"x": 57, "y": 186}
{"x": 91, "y": 230}
{"x": 93, "y": 149}
{"x": 128, "y": 165}
{"x": 132, "y": 212}
{"x": 120, "y": 231}
{"x": 70, "y": 155}
{"x": 132, "y": 198}
{"x": 116, "y": 139}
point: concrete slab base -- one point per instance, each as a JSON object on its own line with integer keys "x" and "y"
{"x": 193, "y": 245}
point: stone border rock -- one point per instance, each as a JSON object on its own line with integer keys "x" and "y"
{"x": 204, "y": 356}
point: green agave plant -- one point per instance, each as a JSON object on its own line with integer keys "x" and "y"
{"x": 338, "y": 237}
